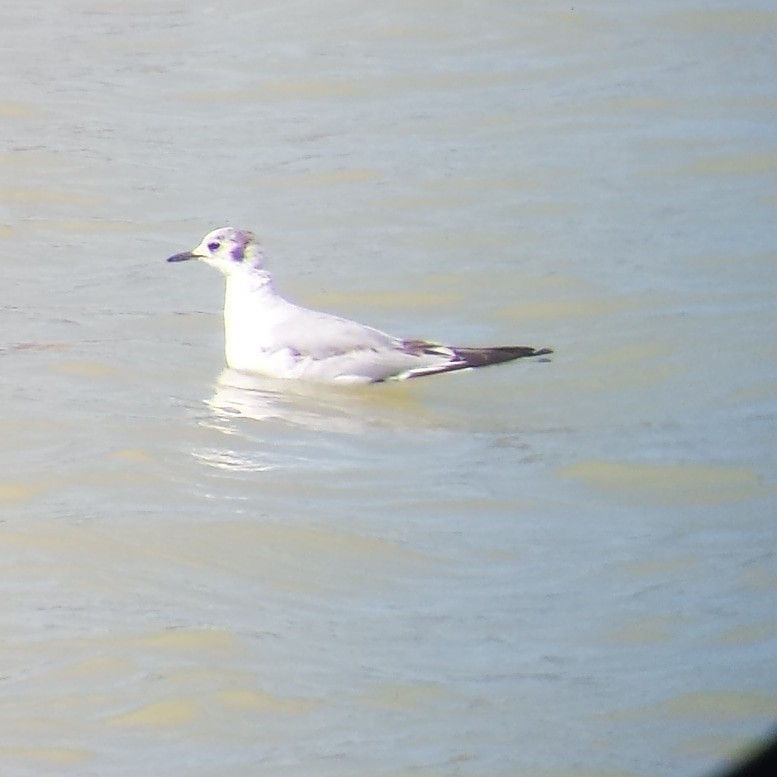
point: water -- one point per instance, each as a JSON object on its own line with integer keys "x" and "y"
{"x": 559, "y": 568}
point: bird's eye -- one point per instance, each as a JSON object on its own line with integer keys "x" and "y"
{"x": 214, "y": 246}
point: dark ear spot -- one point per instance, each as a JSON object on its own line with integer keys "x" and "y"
{"x": 237, "y": 253}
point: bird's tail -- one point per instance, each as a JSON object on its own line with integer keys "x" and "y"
{"x": 465, "y": 358}
{"x": 482, "y": 357}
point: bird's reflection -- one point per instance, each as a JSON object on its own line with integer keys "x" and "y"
{"x": 345, "y": 410}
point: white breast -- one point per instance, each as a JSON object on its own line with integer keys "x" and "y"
{"x": 252, "y": 312}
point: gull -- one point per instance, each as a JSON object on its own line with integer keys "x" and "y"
{"x": 268, "y": 335}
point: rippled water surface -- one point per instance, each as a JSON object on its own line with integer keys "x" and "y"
{"x": 560, "y": 568}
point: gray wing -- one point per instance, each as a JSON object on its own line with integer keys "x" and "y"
{"x": 318, "y": 335}
{"x": 331, "y": 348}
{"x": 338, "y": 348}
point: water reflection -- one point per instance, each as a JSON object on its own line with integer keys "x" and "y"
{"x": 240, "y": 395}
{"x": 344, "y": 410}
{"x": 293, "y": 425}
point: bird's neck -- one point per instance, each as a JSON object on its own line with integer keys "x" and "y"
{"x": 251, "y": 282}
{"x": 249, "y": 298}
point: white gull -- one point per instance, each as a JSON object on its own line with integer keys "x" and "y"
{"x": 268, "y": 335}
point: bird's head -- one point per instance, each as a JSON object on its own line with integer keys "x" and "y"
{"x": 227, "y": 249}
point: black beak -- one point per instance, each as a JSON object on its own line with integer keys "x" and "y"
{"x": 182, "y": 257}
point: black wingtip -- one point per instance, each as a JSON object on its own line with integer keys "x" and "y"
{"x": 482, "y": 357}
